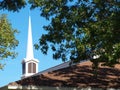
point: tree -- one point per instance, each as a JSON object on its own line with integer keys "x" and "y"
{"x": 12, "y": 5}
{"x": 81, "y": 29}
{"x": 8, "y": 41}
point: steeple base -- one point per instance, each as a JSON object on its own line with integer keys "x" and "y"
{"x": 29, "y": 67}
{"x": 27, "y": 75}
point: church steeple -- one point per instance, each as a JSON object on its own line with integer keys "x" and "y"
{"x": 29, "y": 53}
{"x": 29, "y": 64}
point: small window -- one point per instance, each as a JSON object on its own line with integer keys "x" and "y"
{"x": 23, "y": 68}
{"x": 31, "y": 68}
{"x": 34, "y": 68}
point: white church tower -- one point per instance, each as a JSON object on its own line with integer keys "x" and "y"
{"x": 29, "y": 64}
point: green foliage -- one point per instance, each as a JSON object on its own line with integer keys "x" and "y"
{"x": 8, "y": 41}
{"x": 78, "y": 29}
{"x": 12, "y": 5}
{"x": 81, "y": 29}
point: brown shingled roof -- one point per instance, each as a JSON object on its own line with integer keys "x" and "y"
{"x": 79, "y": 75}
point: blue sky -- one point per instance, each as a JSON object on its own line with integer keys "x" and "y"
{"x": 19, "y": 20}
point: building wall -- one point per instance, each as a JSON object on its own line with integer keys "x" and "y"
{"x": 53, "y": 88}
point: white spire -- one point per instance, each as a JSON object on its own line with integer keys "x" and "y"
{"x": 29, "y": 64}
{"x": 29, "y": 53}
